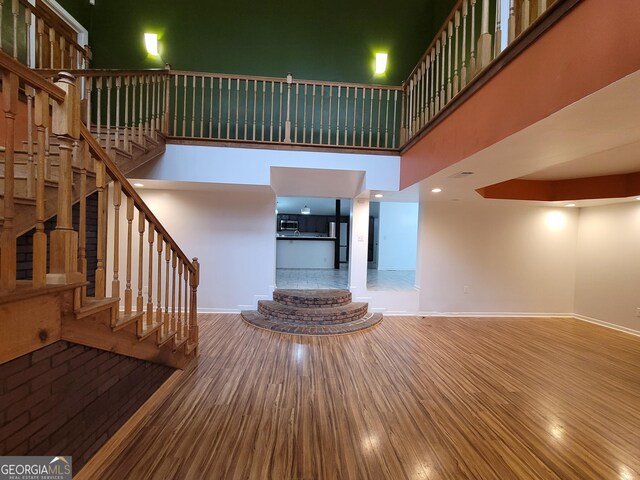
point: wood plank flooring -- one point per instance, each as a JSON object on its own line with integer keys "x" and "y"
{"x": 414, "y": 398}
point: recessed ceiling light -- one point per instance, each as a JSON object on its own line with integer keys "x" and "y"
{"x": 570, "y": 205}
{"x": 378, "y": 195}
{"x": 305, "y": 210}
{"x": 436, "y": 190}
{"x": 138, "y": 184}
{"x": 637, "y": 198}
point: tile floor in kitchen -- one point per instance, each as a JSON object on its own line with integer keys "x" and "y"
{"x": 329, "y": 278}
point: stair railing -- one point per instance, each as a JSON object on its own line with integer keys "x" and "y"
{"x": 474, "y": 34}
{"x": 239, "y": 108}
{"x": 81, "y": 158}
{"x": 39, "y": 38}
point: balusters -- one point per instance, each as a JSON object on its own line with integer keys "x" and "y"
{"x": 174, "y": 326}
{"x": 187, "y": 273}
{"x": 443, "y": 99}
{"x": 150, "y": 240}
{"x": 542, "y": 6}
{"x": 175, "y": 106}
{"x": 128, "y": 295}
{"x": 295, "y": 127}
{"x": 39, "y": 39}
{"x": 31, "y": 168}
{"x": 423, "y": 92}
{"x": 321, "y": 111}
{"x": 525, "y": 15}
{"x": 102, "y": 230}
{"x": 449, "y": 62}
{"x": 379, "y": 110}
{"x": 456, "y": 78}
{"x": 271, "y": 114}
{"x": 364, "y": 98}
{"x": 117, "y": 129}
{"x": 463, "y": 67}
{"x": 194, "y": 281}
{"x": 127, "y": 81}
{"x": 52, "y": 42}
{"x": 1, "y": 24}
{"x": 346, "y": 116}
{"x": 432, "y": 83}
{"x": 338, "y": 118}
{"x": 472, "y": 42}
{"x": 437, "y": 64}
{"x": 8, "y": 237}
{"x": 184, "y": 105}
{"x": 117, "y": 201}
{"x": 147, "y": 123}
{"x": 180, "y": 329}
{"x": 159, "y": 249}
{"x": 167, "y": 314}
{"x": 238, "y": 105}
{"x": 355, "y": 110}
{"x": 229, "y": 109}
{"x": 512, "y": 21}
{"x": 14, "y": 13}
{"x": 220, "y": 107}
{"x": 386, "y": 123}
{"x": 109, "y": 79}
{"x": 202, "y": 110}
{"x": 255, "y": 108}
{"x": 134, "y": 102}
{"x": 141, "y": 229}
{"x": 484, "y": 42}
{"x": 280, "y": 115}
{"x": 41, "y": 120}
{"x": 370, "y": 117}
{"x": 211, "y": 111}
{"x": 498, "y": 34}
{"x": 27, "y": 24}
{"x": 329, "y": 117}
{"x": 155, "y": 93}
{"x": 395, "y": 108}
{"x": 98, "y": 107}
{"x": 82, "y": 228}
{"x": 193, "y": 107}
{"x": 264, "y": 96}
{"x": 313, "y": 113}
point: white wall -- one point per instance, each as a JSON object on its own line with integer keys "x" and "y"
{"x": 231, "y": 232}
{"x": 513, "y": 258}
{"x": 608, "y": 264}
{"x": 398, "y": 236}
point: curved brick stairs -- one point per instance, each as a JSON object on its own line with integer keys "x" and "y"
{"x": 312, "y": 312}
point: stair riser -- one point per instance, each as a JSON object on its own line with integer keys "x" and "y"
{"x": 334, "y": 300}
{"x": 313, "y": 316}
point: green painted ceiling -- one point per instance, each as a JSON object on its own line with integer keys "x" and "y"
{"x": 330, "y": 40}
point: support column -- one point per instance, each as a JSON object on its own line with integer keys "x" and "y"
{"x": 358, "y": 247}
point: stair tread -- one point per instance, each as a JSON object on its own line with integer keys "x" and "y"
{"x": 180, "y": 343}
{"x": 125, "y": 319}
{"x": 258, "y": 320}
{"x": 94, "y": 305}
{"x": 312, "y": 298}
{"x": 162, "y": 339}
{"x": 277, "y": 306}
{"x": 147, "y": 330}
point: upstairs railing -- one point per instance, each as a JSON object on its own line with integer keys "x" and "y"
{"x": 283, "y": 110}
{"x": 75, "y": 161}
{"x": 473, "y": 35}
{"x": 37, "y": 37}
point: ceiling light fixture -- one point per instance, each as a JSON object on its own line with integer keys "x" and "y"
{"x": 138, "y": 184}
{"x": 151, "y": 42}
{"x": 305, "y": 210}
{"x": 637, "y": 198}
{"x": 378, "y": 195}
{"x": 570, "y": 205}
{"x": 381, "y": 63}
{"x": 436, "y": 190}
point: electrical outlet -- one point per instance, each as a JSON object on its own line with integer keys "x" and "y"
{"x": 465, "y": 289}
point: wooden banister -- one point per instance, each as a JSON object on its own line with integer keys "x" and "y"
{"x": 112, "y": 170}
{"x": 30, "y": 77}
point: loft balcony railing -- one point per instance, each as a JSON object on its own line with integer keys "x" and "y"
{"x": 475, "y": 33}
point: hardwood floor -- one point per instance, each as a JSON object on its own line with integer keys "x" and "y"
{"x": 414, "y": 398}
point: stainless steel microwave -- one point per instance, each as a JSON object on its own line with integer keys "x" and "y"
{"x": 288, "y": 225}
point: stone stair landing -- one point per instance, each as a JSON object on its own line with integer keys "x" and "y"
{"x": 312, "y": 312}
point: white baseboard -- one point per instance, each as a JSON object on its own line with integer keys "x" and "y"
{"x": 492, "y": 314}
{"x": 602, "y": 323}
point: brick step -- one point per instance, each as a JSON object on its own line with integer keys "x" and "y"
{"x": 318, "y": 298}
{"x": 312, "y": 316}
{"x": 258, "y": 320}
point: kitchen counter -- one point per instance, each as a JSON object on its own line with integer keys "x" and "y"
{"x": 305, "y": 252}
{"x": 304, "y": 237}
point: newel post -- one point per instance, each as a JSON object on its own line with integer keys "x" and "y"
{"x": 194, "y": 281}
{"x": 287, "y": 125}
{"x": 64, "y": 240}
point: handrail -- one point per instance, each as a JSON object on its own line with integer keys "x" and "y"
{"x": 31, "y": 77}
{"x": 100, "y": 72}
{"x": 115, "y": 173}
{"x": 283, "y": 79}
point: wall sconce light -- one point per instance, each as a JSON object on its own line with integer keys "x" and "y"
{"x": 151, "y": 42}
{"x": 305, "y": 210}
{"x": 381, "y": 63}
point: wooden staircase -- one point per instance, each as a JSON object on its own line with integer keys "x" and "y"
{"x": 61, "y": 162}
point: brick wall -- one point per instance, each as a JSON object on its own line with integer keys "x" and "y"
{"x": 67, "y": 399}
{"x": 24, "y": 242}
